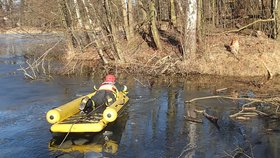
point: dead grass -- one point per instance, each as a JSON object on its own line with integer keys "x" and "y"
{"x": 256, "y": 56}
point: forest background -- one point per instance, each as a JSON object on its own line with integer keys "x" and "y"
{"x": 152, "y": 37}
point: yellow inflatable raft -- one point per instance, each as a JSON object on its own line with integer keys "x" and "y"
{"x": 67, "y": 118}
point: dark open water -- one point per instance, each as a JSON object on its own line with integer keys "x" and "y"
{"x": 153, "y": 124}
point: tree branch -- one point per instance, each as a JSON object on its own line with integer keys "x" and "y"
{"x": 254, "y": 22}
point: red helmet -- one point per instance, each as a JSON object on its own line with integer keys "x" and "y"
{"x": 110, "y": 78}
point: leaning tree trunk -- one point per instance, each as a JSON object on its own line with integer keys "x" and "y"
{"x": 93, "y": 34}
{"x": 112, "y": 30}
{"x": 71, "y": 42}
{"x": 190, "y": 30}
{"x": 144, "y": 13}
{"x": 104, "y": 39}
{"x": 153, "y": 27}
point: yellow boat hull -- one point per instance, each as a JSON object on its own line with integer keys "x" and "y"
{"x": 67, "y": 118}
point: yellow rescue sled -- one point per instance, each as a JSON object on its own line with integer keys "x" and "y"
{"x": 67, "y": 118}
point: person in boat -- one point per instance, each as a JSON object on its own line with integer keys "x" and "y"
{"x": 106, "y": 94}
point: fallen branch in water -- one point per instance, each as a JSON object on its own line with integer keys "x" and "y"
{"x": 225, "y": 97}
{"x": 26, "y": 74}
{"x": 212, "y": 119}
{"x": 248, "y": 110}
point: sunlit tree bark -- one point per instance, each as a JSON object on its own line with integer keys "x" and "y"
{"x": 130, "y": 18}
{"x": 172, "y": 13}
{"x": 144, "y": 13}
{"x": 213, "y": 11}
{"x": 153, "y": 26}
{"x": 200, "y": 21}
{"x": 125, "y": 19}
{"x": 277, "y": 17}
{"x": 190, "y": 30}
{"x": 78, "y": 14}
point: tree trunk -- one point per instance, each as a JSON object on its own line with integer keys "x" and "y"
{"x": 190, "y": 30}
{"x": 153, "y": 27}
{"x": 277, "y": 18}
{"x": 158, "y": 10}
{"x": 96, "y": 41}
{"x": 125, "y": 20}
{"x": 172, "y": 13}
{"x": 213, "y": 11}
{"x": 67, "y": 22}
{"x": 85, "y": 37}
{"x": 78, "y": 14}
{"x": 144, "y": 13}
{"x": 200, "y": 21}
{"x": 22, "y": 18}
{"x": 130, "y": 18}
{"x": 112, "y": 30}
{"x": 105, "y": 38}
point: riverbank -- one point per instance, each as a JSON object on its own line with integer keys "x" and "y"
{"x": 258, "y": 55}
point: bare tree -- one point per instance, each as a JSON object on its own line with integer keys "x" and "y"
{"x": 190, "y": 30}
{"x": 153, "y": 27}
{"x": 125, "y": 19}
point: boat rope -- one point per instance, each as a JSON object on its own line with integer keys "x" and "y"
{"x": 66, "y": 135}
{"x": 75, "y": 123}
